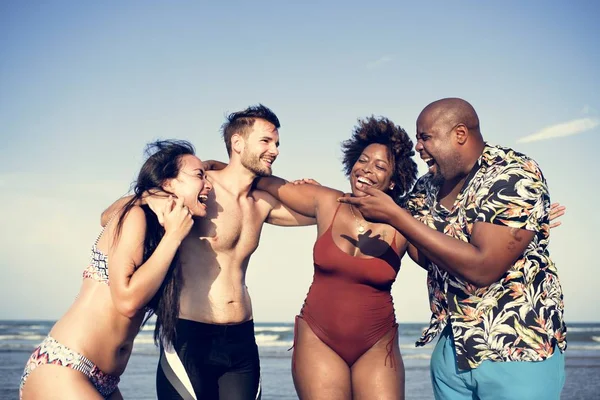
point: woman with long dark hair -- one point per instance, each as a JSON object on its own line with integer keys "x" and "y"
{"x": 134, "y": 267}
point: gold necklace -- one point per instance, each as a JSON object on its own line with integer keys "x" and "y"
{"x": 359, "y": 226}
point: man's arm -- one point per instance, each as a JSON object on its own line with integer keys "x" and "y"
{"x": 416, "y": 256}
{"x": 556, "y": 210}
{"x": 492, "y": 251}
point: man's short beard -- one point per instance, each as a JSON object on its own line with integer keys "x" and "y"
{"x": 252, "y": 164}
{"x": 262, "y": 173}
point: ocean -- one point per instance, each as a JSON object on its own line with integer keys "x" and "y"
{"x": 19, "y": 338}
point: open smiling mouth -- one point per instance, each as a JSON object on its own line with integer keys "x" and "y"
{"x": 269, "y": 161}
{"x": 430, "y": 163}
{"x": 364, "y": 181}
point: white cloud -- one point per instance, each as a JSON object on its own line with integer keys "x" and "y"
{"x": 569, "y": 128}
{"x": 379, "y": 62}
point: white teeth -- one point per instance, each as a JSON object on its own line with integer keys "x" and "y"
{"x": 202, "y": 198}
{"x": 364, "y": 180}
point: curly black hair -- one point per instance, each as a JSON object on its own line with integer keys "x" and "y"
{"x": 400, "y": 149}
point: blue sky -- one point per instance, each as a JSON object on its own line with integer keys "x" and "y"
{"x": 84, "y": 85}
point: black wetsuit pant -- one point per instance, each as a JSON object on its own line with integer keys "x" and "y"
{"x": 219, "y": 361}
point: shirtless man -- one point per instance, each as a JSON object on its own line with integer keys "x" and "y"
{"x": 214, "y": 355}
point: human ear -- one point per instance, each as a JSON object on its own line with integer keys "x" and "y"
{"x": 461, "y": 133}
{"x": 237, "y": 143}
{"x": 168, "y": 185}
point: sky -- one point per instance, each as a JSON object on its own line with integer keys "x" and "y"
{"x": 85, "y": 85}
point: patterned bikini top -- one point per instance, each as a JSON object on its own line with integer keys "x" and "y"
{"x": 98, "y": 268}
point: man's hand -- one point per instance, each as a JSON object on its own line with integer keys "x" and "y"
{"x": 556, "y": 210}
{"x": 376, "y": 206}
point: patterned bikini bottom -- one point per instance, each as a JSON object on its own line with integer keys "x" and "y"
{"x": 51, "y": 351}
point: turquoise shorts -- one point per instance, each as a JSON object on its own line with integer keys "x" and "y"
{"x": 531, "y": 380}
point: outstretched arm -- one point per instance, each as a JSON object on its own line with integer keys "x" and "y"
{"x": 556, "y": 210}
{"x": 295, "y": 205}
{"x": 416, "y": 256}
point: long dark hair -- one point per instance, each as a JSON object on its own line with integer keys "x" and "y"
{"x": 163, "y": 162}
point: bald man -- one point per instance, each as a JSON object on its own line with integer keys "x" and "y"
{"x": 478, "y": 222}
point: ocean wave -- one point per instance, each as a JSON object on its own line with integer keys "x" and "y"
{"x": 416, "y": 356}
{"x": 273, "y": 328}
{"x": 16, "y": 347}
{"x": 262, "y": 338}
{"x": 288, "y": 344}
{"x": 148, "y": 327}
{"x": 596, "y": 338}
{"x": 144, "y": 339}
{"x": 410, "y": 346}
{"x": 584, "y": 347}
{"x": 24, "y": 326}
{"x": 23, "y": 336}
{"x": 261, "y": 341}
{"x": 571, "y": 329}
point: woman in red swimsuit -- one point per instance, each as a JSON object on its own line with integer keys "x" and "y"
{"x": 345, "y": 341}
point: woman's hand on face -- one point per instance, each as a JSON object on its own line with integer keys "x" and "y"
{"x": 177, "y": 218}
{"x": 156, "y": 200}
{"x": 376, "y": 206}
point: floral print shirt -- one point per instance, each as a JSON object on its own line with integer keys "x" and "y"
{"x": 520, "y": 317}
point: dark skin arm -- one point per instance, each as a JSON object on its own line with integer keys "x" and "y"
{"x": 492, "y": 251}
{"x": 213, "y": 165}
{"x": 417, "y": 257}
{"x": 303, "y": 199}
{"x": 556, "y": 210}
